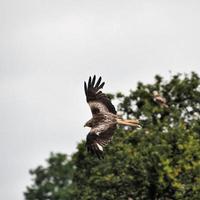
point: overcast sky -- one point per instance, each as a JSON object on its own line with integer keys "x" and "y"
{"x": 48, "y": 48}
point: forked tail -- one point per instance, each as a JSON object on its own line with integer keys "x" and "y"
{"x": 129, "y": 122}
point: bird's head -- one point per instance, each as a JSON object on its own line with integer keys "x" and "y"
{"x": 155, "y": 93}
{"x": 88, "y": 124}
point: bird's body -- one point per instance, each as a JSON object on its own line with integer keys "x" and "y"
{"x": 101, "y": 121}
{"x": 104, "y": 117}
{"x": 159, "y": 99}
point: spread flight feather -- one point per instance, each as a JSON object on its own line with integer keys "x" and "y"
{"x": 104, "y": 117}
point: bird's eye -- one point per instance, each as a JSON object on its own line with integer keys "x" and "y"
{"x": 95, "y": 110}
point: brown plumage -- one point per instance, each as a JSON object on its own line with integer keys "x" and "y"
{"x": 159, "y": 99}
{"x": 104, "y": 117}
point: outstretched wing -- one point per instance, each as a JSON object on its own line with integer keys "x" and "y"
{"x": 97, "y": 100}
{"x": 95, "y": 140}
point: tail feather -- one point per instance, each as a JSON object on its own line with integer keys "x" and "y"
{"x": 129, "y": 122}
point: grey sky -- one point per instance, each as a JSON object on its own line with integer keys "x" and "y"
{"x": 48, "y": 48}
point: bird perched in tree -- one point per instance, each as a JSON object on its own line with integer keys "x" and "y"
{"x": 159, "y": 99}
{"x": 104, "y": 117}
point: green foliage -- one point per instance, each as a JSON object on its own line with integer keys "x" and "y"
{"x": 160, "y": 161}
{"x": 53, "y": 181}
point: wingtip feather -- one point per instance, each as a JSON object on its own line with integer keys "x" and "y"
{"x": 101, "y": 86}
{"x": 98, "y": 82}
{"x": 85, "y": 87}
{"x": 93, "y": 80}
{"x": 89, "y": 81}
{"x": 95, "y": 149}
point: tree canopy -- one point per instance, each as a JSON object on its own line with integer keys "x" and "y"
{"x": 159, "y": 161}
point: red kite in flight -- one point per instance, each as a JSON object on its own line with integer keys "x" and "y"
{"x": 104, "y": 117}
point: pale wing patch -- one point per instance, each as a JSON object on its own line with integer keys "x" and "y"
{"x": 98, "y": 105}
{"x": 97, "y": 133}
{"x": 100, "y": 147}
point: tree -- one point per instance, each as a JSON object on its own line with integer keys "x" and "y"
{"x": 160, "y": 161}
{"x": 53, "y": 181}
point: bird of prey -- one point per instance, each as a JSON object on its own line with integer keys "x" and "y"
{"x": 159, "y": 99}
{"x": 104, "y": 117}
